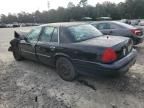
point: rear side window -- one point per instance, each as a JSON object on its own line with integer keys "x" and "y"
{"x": 46, "y": 34}
{"x": 83, "y": 32}
{"x": 114, "y": 26}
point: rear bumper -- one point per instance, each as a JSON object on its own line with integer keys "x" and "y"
{"x": 118, "y": 67}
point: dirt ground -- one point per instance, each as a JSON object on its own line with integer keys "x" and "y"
{"x": 27, "y": 84}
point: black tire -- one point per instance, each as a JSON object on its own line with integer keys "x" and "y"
{"x": 17, "y": 55}
{"x": 65, "y": 69}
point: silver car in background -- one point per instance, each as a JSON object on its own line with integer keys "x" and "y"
{"x": 117, "y": 28}
{"x": 141, "y": 23}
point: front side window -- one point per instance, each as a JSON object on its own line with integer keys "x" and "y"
{"x": 46, "y": 34}
{"x": 84, "y": 32}
{"x": 34, "y": 35}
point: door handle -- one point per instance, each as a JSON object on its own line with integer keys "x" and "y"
{"x": 52, "y": 48}
{"x": 38, "y": 47}
{"x": 110, "y": 32}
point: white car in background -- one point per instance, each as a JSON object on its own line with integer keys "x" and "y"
{"x": 141, "y": 23}
{"x": 135, "y": 22}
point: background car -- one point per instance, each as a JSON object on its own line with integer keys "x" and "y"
{"x": 75, "y": 48}
{"x": 141, "y": 23}
{"x": 9, "y": 25}
{"x": 86, "y": 19}
{"x": 120, "y": 29}
{"x": 135, "y": 22}
{"x": 15, "y": 24}
{"x": 104, "y": 18}
{"x": 2, "y": 25}
{"x": 127, "y": 21}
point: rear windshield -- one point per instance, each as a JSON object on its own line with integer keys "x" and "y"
{"x": 84, "y": 32}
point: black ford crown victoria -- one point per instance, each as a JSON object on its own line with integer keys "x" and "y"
{"x": 74, "y": 49}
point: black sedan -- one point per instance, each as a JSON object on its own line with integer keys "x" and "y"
{"x": 120, "y": 29}
{"x": 74, "y": 49}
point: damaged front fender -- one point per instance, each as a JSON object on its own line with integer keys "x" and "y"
{"x": 10, "y": 49}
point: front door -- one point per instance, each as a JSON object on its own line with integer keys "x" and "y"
{"x": 47, "y": 45}
{"x": 27, "y": 46}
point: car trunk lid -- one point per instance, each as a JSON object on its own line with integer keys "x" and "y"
{"x": 106, "y": 41}
{"x": 121, "y": 45}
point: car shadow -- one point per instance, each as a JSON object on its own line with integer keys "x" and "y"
{"x": 127, "y": 84}
{"x": 140, "y": 54}
{"x": 139, "y": 49}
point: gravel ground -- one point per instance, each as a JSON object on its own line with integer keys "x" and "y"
{"x": 27, "y": 84}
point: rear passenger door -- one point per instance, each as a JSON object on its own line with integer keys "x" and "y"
{"x": 116, "y": 29}
{"x": 110, "y": 29}
{"x": 46, "y": 46}
{"x": 104, "y": 28}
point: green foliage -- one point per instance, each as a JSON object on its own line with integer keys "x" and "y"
{"x": 83, "y": 3}
{"x": 70, "y": 5}
{"x": 129, "y": 9}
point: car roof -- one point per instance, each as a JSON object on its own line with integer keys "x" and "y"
{"x": 63, "y": 24}
{"x": 116, "y": 22}
{"x": 95, "y": 22}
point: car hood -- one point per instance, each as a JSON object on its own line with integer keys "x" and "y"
{"x": 105, "y": 41}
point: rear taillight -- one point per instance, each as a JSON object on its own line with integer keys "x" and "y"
{"x": 137, "y": 32}
{"x": 109, "y": 55}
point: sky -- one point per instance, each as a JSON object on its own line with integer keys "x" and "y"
{"x": 16, "y": 6}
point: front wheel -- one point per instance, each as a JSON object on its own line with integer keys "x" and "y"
{"x": 65, "y": 69}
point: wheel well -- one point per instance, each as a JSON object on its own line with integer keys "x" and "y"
{"x": 58, "y": 56}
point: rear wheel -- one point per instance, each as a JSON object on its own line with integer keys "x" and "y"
{"x": 65, "y": 69}
{"x": 17, "y": 55}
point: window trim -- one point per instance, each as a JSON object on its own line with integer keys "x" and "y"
{"x": 58, "y": 35}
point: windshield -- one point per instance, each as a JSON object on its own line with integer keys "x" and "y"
{"x": 84, "y": 32}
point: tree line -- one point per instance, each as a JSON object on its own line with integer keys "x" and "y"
{"x": 130, "y": 9}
